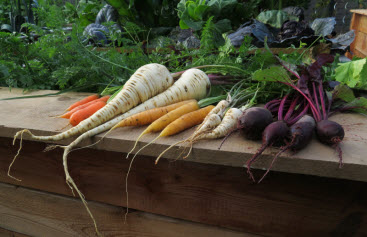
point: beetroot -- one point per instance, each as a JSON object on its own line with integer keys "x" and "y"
{"x": 310, "y": 86}
{"x": 301, "y": 135}
{"x": 331, "y": 133}
{"x": 274, "y": 133}
{"x": 253, "y": 122}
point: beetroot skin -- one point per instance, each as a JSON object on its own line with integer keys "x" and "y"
{"x": 329, "y": 132}
{"x": 253, "y": 122}
{"x": 301, "y": 133}
{"x": 274, "y": 133}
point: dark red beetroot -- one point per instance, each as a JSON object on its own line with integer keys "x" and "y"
{"x": 253, "y": 122}
{"x": 331, "y": 133}
{"x": 310, "y": 85}
{"x": 274, "y": 133}
{"x": 301, "y": 135}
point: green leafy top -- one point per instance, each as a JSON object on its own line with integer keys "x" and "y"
{"x": 272, "y": 74}
{"x": 275, "y": 18}
{"x": 353, "y": 74}
{"x": 349, "y": 101}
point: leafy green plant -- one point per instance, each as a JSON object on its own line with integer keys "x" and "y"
{"x": 211, "y": 36}
{"x": 353, "y": 74}
{"x": 191, "y": 14}
{"x": 274, "y": 18}
{"x": 5, "y": 8}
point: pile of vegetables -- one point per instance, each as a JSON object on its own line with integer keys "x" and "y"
{"x": 173, "y": 102}
{"x": 295, "y": 88}
{"x": 152, "y": 97}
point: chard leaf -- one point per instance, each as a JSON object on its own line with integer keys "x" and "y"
{"x": 353, "y": 74}
{"x": 272, "y": 74}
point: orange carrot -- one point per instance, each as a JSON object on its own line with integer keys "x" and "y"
{"x": 83, "y": 101}
{"x": 82, "y": 114}
{"x": 68, "y": 114}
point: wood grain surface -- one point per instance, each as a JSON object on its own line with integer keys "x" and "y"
{"x": 316, "y": 159}
{"x": 8, "y": 233}
{"x": 37, "y": 213}
{"x": 282, "y": 205}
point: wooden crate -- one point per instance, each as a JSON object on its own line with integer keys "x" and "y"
{"x": 359, "y": 25}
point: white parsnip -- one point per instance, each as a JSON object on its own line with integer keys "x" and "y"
{"x": 148, "y": 81}
{"x": 213, "y": 119}
{"x": 193, "y": 84}
{"x": 210, "y": 123}
{"x": 228, "y": 123}
{"x": 220, "y": 108}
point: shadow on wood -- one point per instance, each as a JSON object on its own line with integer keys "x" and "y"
{"x": 283, "y": 205}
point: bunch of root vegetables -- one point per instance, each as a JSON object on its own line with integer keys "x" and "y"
{"x": 298, "y": 114}
{"x": 152, "y": 97}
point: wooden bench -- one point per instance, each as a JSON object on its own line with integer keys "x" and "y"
{"x": 209, "y": 194}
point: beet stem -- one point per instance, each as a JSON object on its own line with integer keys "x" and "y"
{"x": 273, "y": 106}
{"x": 322, "y": 101}
{"x": 288, "y": 69}
{"x": 313, "y": 109}
{"x": 271, "y": 103}
{"x": 330, "y": 101}
{"x": 291, "y": 108}
{"x": 281, "y": 108}
{"x": 315, "y": 95}
{"x": 303, "y": 112}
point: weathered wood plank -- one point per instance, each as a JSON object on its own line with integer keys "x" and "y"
{"x": 283, "y": 205}
{"x": 316, "y": 159}
{"x": 8, "y": 233}
{"x": 43, "y": 214}
{"x": 360, "y": 11}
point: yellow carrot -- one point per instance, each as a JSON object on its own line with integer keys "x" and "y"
{"x": 144, "y": 118}
{"x": 186, "y": 121}
{"x": 149, "y": 116}
{"x": 166, "y": 119}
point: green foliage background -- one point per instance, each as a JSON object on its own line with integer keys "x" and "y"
{"x": 59, "y": 60}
